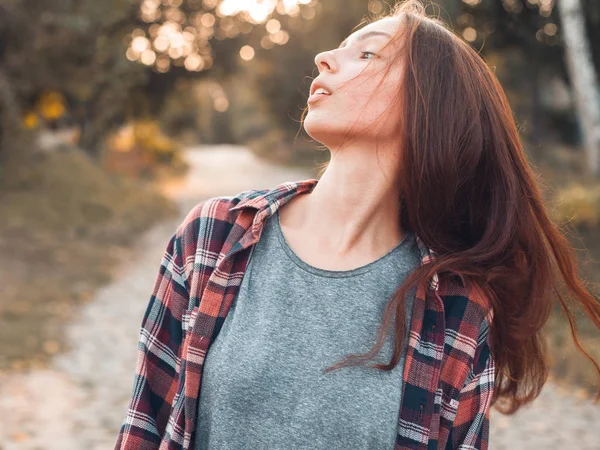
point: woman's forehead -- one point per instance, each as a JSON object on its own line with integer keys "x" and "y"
{"x": 388, "y": 24}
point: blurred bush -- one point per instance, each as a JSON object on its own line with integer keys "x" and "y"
{"x": 579, "y": 204}
{"x": 140, "y": 148}
{"x": 148, "y": 137}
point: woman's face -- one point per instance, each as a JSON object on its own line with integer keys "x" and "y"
{"x": 352, "y": 74}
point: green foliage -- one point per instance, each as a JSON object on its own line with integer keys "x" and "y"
{"x": 75, "y": 48}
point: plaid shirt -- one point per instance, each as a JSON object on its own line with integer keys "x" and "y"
{"x": 448, "y": 374}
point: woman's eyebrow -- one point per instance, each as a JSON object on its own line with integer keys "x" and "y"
{"x": 363, "y": 36}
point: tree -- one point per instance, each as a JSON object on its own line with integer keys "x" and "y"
{"x": 584, "y": 78}
{"x": 74, "y": 48}
{"x": 182, "y": 34}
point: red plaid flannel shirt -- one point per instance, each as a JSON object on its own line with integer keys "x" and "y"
{"x": 448, "y": 374}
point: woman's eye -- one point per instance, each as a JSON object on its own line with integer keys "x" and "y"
{"x": 370, "y": 53}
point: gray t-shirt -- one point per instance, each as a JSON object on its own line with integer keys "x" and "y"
{"x": 262, "y": 385}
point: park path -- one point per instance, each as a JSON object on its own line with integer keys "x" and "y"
{"x": 80, "y": 400}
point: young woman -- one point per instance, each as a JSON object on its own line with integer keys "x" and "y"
{"x": 426, "y": 230}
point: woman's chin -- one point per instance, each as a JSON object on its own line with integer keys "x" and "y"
{"x": 319, "y": 133}
{"x": 318, "y": 126}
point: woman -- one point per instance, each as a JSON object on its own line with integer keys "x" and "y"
{"x": 427, "y": 215}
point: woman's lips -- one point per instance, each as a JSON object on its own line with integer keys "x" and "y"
{"x": 316, "y": 97}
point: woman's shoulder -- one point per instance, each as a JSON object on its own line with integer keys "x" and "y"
{"x": 226, "y": 208}
{"x": 211, "y": 219}
{"x": 218, "y": 208}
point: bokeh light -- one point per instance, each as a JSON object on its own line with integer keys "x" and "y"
{"x": 194, "y": 62}
{"x": 148, "y": 57}
{"x": 469, "y": 34}
{"x": 221, "y": 104}
{"x": 181, "y": 31}
{"x": 273, "y": 26}
{"x": 247, "y": 53}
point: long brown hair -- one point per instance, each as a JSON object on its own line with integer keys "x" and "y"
{"x": 468, "y": 190}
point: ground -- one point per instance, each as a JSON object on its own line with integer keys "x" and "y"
{"x": 80, "y": 400}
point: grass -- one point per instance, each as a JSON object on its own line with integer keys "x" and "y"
{"x": 66, "y": 223}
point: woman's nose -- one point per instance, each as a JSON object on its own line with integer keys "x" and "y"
{"x": 325, "y": 61}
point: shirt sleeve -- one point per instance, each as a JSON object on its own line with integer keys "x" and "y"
{"x": 472, "y": 423}
{"x": 158, "y": 359}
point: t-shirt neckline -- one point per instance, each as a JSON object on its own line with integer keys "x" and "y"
{"x": 336, "y": 273}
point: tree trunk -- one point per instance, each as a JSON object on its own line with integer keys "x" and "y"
{"x": 9, "y": 111}
{"x": 17, "y": 144}
{"x": 583, "y": 79}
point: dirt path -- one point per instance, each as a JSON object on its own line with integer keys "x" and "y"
{"x": 80, "y": 400}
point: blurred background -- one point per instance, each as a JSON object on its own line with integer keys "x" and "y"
{"x": 117, "y": 116}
